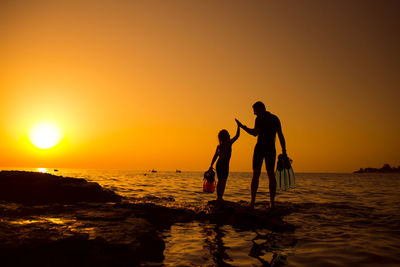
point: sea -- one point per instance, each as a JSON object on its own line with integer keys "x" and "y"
{"x": 341, "y": 219}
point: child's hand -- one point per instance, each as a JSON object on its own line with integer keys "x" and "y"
{"x": 239, "y": 123}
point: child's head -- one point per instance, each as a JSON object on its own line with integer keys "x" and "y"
{"x": 223, "y": 136}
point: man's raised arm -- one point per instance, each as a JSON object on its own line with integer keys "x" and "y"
{"x": 253, "y": 132}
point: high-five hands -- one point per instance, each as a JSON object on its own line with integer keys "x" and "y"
{"x": 239, "y": 123}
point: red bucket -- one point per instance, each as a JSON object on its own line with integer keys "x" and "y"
{"x": 208, "y": 187}
{"x": 209, "y": 181}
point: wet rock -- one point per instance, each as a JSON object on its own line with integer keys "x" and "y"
{"x": 34, "y": 188}
{"x": 243, "y": 217}
{"x": 159, "y": 216}
{"x": 72, "y": 251}
{"x": 43, "y": 238}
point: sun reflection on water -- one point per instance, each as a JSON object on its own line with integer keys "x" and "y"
{"x": 54, "y": 220}
{"x": 43, "y": 170}
{"x": 21, "y": 222}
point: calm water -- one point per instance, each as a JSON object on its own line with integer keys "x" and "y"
{"x": 342, "y": 219}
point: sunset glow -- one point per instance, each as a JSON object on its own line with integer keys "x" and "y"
{"x": 45, "y": 135}
{"x": 199, "y": 133}
{"x": 43, "y": 170}
{"x": 149, "y": 84}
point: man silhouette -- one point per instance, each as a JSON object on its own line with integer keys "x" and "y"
{"x": 266, "y": 127}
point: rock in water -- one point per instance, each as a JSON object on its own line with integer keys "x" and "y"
{"x": 33, "y": 188}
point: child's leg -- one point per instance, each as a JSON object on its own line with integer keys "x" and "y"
{"x": 222, "y": 173}
{"x": 220, "y": 188}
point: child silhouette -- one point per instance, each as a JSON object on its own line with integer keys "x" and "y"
{"x": 223, "y": 153}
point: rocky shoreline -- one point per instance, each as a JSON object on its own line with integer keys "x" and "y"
{"x": 35, "y": 188}
{"x": 50, "y": 220}
{"x": 385, "y": 169}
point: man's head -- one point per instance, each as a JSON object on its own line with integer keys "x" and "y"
{"x": 259, "y": 108}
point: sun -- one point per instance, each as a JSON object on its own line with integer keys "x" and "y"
{"x": 45, "y": 135}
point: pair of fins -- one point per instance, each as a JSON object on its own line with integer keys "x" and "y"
{"x": 284, "y": 174}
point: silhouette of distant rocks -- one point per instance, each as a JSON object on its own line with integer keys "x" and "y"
{"x": 385, "y": 169}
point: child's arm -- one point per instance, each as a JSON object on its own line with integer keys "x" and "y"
{"x": 237, "y": 134}
{"x": 214, "y": 158}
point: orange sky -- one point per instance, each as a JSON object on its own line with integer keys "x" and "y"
{"x": 148, "y": 84}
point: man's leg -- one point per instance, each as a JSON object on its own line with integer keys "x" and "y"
{"x": 272, "y": 188}
{"x": 270, "y": 166}
{"x": 257, "y": 164}
{"x": 254, "y": 186}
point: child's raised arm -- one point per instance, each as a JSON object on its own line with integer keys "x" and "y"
{"x": 237, "y": 133}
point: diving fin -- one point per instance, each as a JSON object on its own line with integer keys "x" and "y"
{"x": 284, "y": 174}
